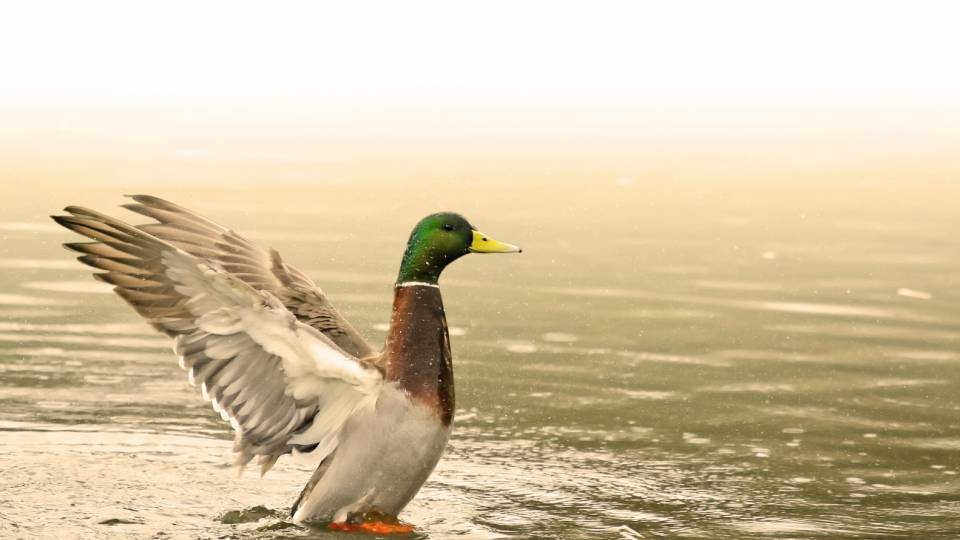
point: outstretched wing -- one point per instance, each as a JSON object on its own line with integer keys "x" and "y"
{"x": 283, "y": 385}
{"x": 260, "y": 268}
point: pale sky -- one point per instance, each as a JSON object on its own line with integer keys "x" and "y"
{"x": 848, "y": 53}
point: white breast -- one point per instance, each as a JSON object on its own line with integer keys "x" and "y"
{"x": 386, "y": 453}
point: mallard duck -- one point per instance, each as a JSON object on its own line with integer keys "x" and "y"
{"x": 276, "y": 360}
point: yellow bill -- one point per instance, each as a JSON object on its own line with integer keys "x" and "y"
{"x": 484, "y": 244}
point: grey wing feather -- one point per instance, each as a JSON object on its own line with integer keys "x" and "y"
{"x": 262, "y": 269}
{"x": 238, "y": 378}
{"x": 242, "y": 347}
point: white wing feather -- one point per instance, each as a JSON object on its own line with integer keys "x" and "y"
{"x": 283, "y": 385}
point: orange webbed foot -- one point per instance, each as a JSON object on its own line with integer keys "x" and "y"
{"x": 374, "y": 527}
{"x": 381, "y": 527}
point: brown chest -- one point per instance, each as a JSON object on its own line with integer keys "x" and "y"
{"x": 417, "y": 353}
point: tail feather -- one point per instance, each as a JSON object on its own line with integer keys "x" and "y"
{"x": 314, "y": 480}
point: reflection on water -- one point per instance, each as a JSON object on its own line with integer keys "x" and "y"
{"x": 32, "y": 227}
{"x": 69, "y": 286}
{"x": 25, "y": 300}
{"x": 38, "y": 264}
{"x": 702, "y": 371}
{"x": 97, "y": 340}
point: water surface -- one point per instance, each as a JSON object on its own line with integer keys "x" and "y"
{"x": 663, "y": 361}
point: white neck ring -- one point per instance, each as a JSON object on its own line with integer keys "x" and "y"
{"x": 417, "y": 284}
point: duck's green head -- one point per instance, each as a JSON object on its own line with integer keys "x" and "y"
{"x": 438, "y": 240}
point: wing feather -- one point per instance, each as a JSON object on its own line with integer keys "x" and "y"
{"x": 283, "y": 385}
{"x": 256, "y": 266}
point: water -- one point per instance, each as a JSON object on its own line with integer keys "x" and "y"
{"x": 664, "y": 360}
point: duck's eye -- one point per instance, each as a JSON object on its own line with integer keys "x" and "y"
{"x": 447, "y": 227}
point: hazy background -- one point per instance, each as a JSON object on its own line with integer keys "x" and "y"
{"x": 305, "y": 92}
